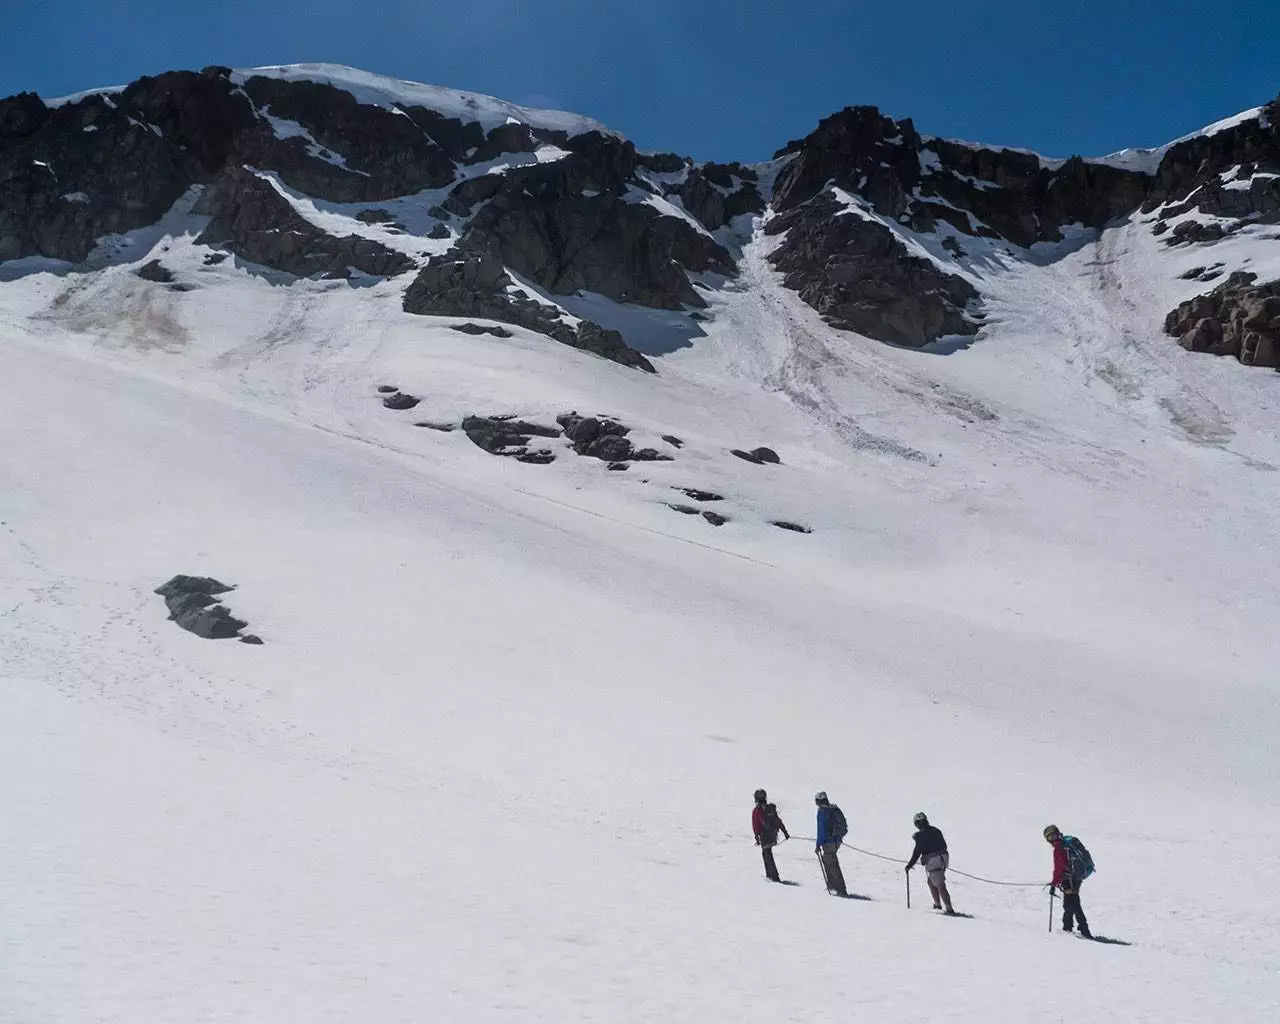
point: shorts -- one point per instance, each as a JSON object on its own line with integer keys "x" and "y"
{"x": 936, "y": 865}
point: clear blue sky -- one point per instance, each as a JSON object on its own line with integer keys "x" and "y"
{"x": 724, "y": 79}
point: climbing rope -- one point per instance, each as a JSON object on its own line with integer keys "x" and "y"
{"x": 957, "y": 871}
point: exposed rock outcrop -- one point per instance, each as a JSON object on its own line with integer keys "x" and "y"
{"x": 469, "y": 284}
{"x": 979, "y": 190}
{"x": 860, "y": 277}
{"x": 1195, "y": 173}
{"x": 121, "y": 173}
{"x": 155, "y": 271}
{"x": 580, "y": 224}
{"x": 1238, "y": 318}
{"x": 256, "y": 222}
{"x": 717, "y": 193}
{"x": 500, "y": 435}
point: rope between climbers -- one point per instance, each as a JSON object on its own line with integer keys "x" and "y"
{"x": 898, "y": 860}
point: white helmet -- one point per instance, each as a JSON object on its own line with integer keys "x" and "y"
{"x": 820, "y": 797}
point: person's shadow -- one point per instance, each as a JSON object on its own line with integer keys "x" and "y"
{"x": 1108, "y": 941}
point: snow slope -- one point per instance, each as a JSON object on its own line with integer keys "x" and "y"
{"x": 494, "y": 760}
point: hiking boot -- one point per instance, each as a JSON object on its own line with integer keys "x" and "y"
{"x": 950, "y": 912}
{"x": 937, "y": 906}
{"x": 1085, "y": 933}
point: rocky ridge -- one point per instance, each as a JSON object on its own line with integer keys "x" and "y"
{"x": 524, "y": 207}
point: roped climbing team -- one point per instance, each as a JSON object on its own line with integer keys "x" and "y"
{"x": 1072, "y": 863}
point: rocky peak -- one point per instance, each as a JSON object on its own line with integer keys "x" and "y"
{"x": 858, "y": 149}
{"x": 560, "y": 202}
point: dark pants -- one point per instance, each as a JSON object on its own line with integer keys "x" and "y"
{"x": 828, "y": 856}
{"x": 1071, "y": 909}
{"x": 770, "y": 868}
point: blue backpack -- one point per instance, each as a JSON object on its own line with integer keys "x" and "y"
{"x": 1079, "y": 860}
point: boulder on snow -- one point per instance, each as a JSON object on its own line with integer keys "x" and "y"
{"x": 497, "y": 330}
{"x": 400, "y": 401}
{"x": 192, "y": 585}
{"x": 759, "y": 456}
{"x": 510, "y": 437}
{"x": 155, "y": 271}
{"x": 193, "y": 604}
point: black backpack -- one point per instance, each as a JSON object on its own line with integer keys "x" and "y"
{"x": 839, "y": 827}
{"x": 772, "y": 823}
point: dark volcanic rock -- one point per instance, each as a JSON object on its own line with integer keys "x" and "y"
{"x": 1191, "y": 231}
{"x": 783, "y": 524}
{"x": 474, "y": 285}
{"x": 602, "y": 438}
{"x": 715, "y": 518}
{"x": 1011, "y": 195}
{"x": 1189, "y": 172}
{"x": 760, "y": 456}
{"x": 508, "y": 437}
{"x": 607, "y": 448}
{"x": 385, "y": 154}
{"x": 716, "y": 193}
{"x": 568, "y": 227}
{"x": 400, "y": 401}
{"x": 860, "y": 277}
{"x": 687, "y": 510}
{"x": 439, "y": 232}
{"x": 255, "y": 222}
{"x": 699, "y": 495}
{"x": 180, "y": 585}
{"x": 376, "y": 217}
{"x": 474, "y": 329}
{"x": 193, "y": 605}
{"x": 672, "y": 440}
{"x": 1238, "y": 318}
{"x": 155, "y": 271}
{"x": 387, "y": 389}
{"x": 650, "y": 455}
{"x": 121, "y": 174}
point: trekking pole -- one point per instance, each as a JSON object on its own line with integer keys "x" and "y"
{"x": 908, "y": 874}
{"x": 1051, "y": 898}
{"x": 823, "y": 864}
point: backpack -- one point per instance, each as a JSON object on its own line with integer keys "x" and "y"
{"x": 1079, "y": 860}
{"x": 839, "y": 828}
{"x": 772, "y": 823}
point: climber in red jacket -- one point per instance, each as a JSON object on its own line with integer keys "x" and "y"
{"x": 766, "y": 824}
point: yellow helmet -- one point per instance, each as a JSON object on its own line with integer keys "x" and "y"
{"x": 1051, "y": 831}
